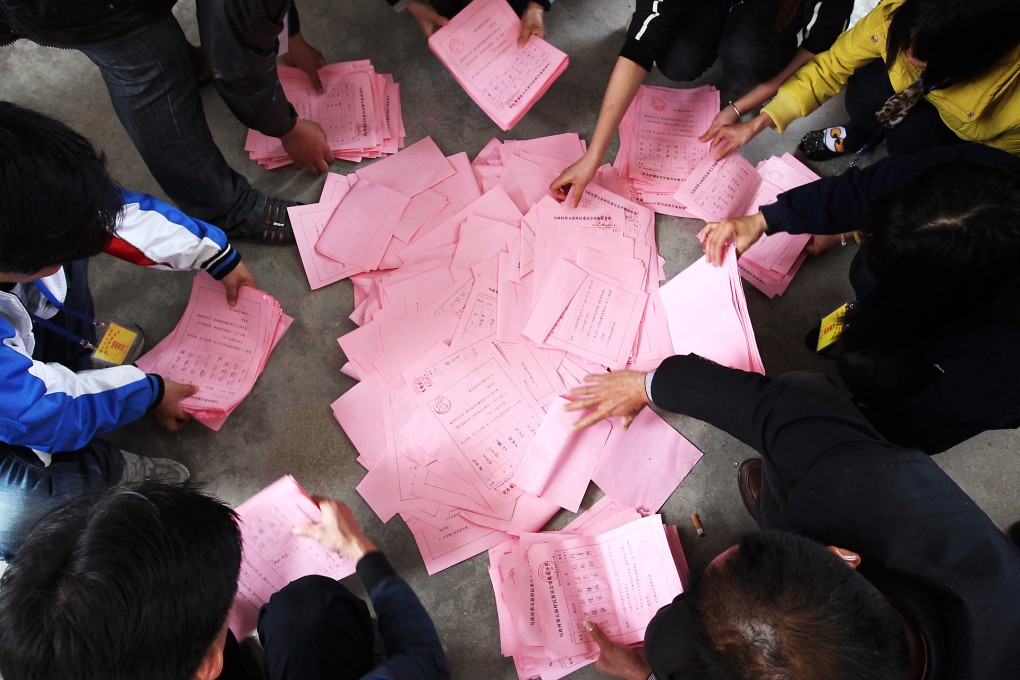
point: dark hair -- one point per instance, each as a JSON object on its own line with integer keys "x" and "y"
{"x": 57, "y": 203}
{"x": 127, "y": 584}
{"x": 959, "y": 39}
{"x": 941, "y": 250}
{"x": 782, "y": 606}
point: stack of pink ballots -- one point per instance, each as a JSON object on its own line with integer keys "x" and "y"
{"x": 732, "y": 187}
{"x": 659, "y": 145}
{"x": 359, "y": 110}
{"x": 479, "y": 47}
{"x": 273, "y": 556}
{"x": 609, "y": 566}
{"x": 480, "y": 302}
{"x": 222, "y": 350}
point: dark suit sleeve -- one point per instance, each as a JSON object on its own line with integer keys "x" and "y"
{"x": 834, "y": 205}
{"x": 413, "y": 649}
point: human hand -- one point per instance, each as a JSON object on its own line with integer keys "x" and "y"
{"x": 577, "y": 176}
{"x": 607, "y": 395}
{"x": 428, "y": 18}
{"x": 307, "y": 146}
{"x": 616, "y": 659}
{"x": 729, "y": 138}
{"x": 239, "y": 276}
{"x": 168, "y": 411}
{"x": 338, "y": 531}
{"x": 822, "y": 243}
{"x": 726, "y": 116}
{"x": 305, "y": 57}
{"x": 532, "y": 23}
{"x": 745, "y": 232}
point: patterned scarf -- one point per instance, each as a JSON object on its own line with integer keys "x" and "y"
{"x": 898, "y": 106}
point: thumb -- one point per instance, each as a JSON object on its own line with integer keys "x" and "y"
{"x": 596, "y": 634}
{"x": 232, "y": 294}
{"x": 306, "y": 530}
{"x": 440, "y": 20}
{"x": 316, "y": 81}
{"x": 189, "y": 390}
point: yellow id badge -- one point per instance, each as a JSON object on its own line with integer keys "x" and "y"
{"x": 832, "y": 327}
{"x": 116, "y": 345}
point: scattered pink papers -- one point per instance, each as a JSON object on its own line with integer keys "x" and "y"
{"x": 717, "y": 189}
{"x": 273, "y": 556}
{"x": 222, "y": 350}
{"x": 707, "y": 315}
{"x": 456, "y": 417}
{"x": 479, "y": 47}
{"x": 359, "y": 110}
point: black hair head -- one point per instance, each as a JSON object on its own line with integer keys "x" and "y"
{"x": 781, "y": 606}
{"x": 126, "y": 584}
{"x": 959, "y": 39}
{"x": 942, "y": 249}
{"x": 57, "y": 203}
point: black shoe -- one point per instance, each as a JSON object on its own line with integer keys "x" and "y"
{"x": 815, "y": 147}
{"x": 271, "y": 224}
{"x": 749, "y": 483}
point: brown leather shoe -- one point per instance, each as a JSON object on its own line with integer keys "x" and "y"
{"x": 749, "y": 483}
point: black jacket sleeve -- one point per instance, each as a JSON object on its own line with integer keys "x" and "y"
{"x": 240, "y": 40}
{"x": 652, "y": 27}
{"x": 834, "y": 205}
{"x": 832, "y": 19}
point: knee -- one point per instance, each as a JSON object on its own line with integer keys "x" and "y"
{"x": 685, "y": 61}
{"x": 749, "y": 62}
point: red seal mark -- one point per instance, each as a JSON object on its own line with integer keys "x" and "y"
{"x": 658, "y": 104}
{"x": 441, "y": 405}
{"x": 775, "y": 175}
{"x": 421, "y": 384}
{"x": 456, "y": 45}
{"x": 547, "y": 571}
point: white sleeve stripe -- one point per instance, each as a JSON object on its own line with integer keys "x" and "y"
{"x": 62, "y": 380}
{"x": 163, "y": 242}
{"x": 648, "y": 20}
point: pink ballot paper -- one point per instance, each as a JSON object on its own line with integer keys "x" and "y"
{"x": 220, "y": 349}
{"x": 479, "y": 47}
{"x": 273, "y": 555}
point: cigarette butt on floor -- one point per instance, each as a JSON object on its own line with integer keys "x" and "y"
{"x": 697, "y": 524}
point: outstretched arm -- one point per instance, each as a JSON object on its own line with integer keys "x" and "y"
{"x": 623, "y": 85}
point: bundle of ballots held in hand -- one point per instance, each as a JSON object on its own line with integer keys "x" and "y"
{"x": 359, "y": 110}
{"x": 609, "y": 566}
{"x": 480, "y": 302}
{"x": 221, "y": 350}
{"x": 479, "y": 48}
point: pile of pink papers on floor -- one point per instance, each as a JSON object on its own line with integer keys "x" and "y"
{"x": 273, "y": 556}
{"x": 479, "y": 48}
{"x": 222, "y": 350}
{"x": 659, "y": 145}
{"x": 359, "y": 110}
{"x": 480, "y": 302}
{"x": 610, "y": 566}
{"x": 732, "y": 187}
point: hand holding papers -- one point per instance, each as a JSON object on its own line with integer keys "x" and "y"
{"x": 359, "y": 110}
{"x": 220, "y": 349}
{"x": 274, "y": 556}
{"x": 611, "y": 567}
{"x": 479, "y": 47}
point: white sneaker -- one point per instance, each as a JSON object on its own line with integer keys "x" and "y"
{"x": 144, "y": 469}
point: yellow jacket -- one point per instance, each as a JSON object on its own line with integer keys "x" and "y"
{"x": 985, "y": 110}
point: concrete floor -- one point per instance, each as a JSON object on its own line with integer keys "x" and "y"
{"x": 285, "y": 426}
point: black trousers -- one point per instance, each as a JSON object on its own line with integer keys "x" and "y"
{"x": 867, "y": 90}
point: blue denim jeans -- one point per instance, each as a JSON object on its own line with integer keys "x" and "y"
{"x": 151, "y": 75}
{"x": 28, "y": 488}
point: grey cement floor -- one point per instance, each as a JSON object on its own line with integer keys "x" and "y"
{"x": 285, "y": 426}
